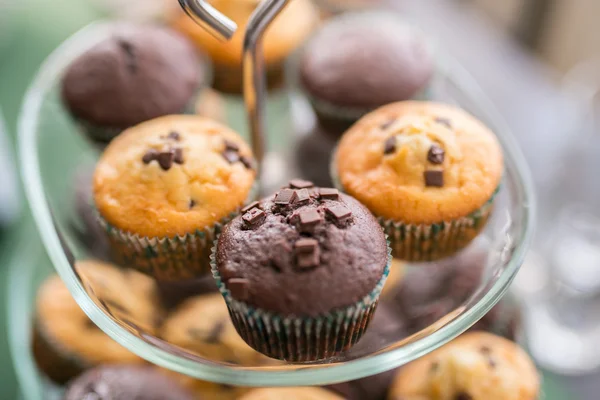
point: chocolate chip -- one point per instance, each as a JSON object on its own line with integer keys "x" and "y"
{"x": 434, "y": 178}
{"x": 485, "y": 349}
{"x": 285, "y": 197}
{"x": 174, "y": 136}
{"x": 309, "y": 219}
{"x": 491, "y": 363}
{"x": 308, "y": 260}
{"x": 231, "y": 156}
{"x": 192, "y": 204}
{"x": 306, "y": 245}
{"x": 463, "y": 396}
{"x": 231, "y": 146}
{"x": 387, "y": 124}
{"x": 178, "y": 158}
{"x": 444, "y": 121}
{"x": 149, "y": 156}
{"x": 302, "y": 197}
{"x": 278, "y": 255}
{"x": 389, "y": 146}
{"x": 329, "y": 193}
{"x": 215, "y": 333}
{"x": 248, "y": 162}
{"x": 434, "y": 367}
{"x": 436, "y": 154}
{"x": 338, "y": 212}
{"x": 301, "y": 184}
{"x": 165, "y": 159}
{"x": 254, "y": 217}
{"x": 239, "y": 288}
{"x": 250, "y": 206}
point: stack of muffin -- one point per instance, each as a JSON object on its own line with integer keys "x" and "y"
{"x": 193, "y": 258}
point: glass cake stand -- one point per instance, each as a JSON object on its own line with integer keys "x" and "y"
{"x": 52, "y": 150}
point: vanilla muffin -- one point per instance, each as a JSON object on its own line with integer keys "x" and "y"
{"x": 291, "y": 393}
{"x": 66, "y": 342}
{"x": 287, "y": 32}
{"x": 429, "y": 171}
{"x": 476, "y": 366}
{"x": 164, "y": 187}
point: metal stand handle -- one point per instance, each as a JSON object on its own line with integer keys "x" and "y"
{"x": 209, "y": 18}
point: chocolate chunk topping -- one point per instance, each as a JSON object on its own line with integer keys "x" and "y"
{"x": 301, "y": 184}
{"x": 308, "y": 219}
{"x": 485, "y": 349}
{"x": 130, "y": 57}
{"x": 231, "y": 156}
{"x": 389, "y": 146}
{"x": 444, "y": 121}
{"x": 338, "y": 212}
{"x": 278, "y": 253}
{"x": 149, "y": 156}
{"x": 239, "y": 288}
{"x": 247, "y": 161}
{"x": 387, "y": 124}
{"x": 192, "y": 204}
{"x": 434, "y": 178}
{"x": 215, "y": 333}
{"x": 174, "y": 136}
{"x": 434, "y": 367}
{"x": 436, "y": 154}
{"x": 254, "y": 217}
{"x": 165, "y": 159}
{"x": 178, "y": 158}
{"x": 302, "y": 196}
{"x": 231, "y": 146}
{"x": 329, "y": 193}
{"x": 285, "y": 197}
{"x": 306, "y": 245}
{"x": 250, "y": 206}
{"x": 463, "y": 396}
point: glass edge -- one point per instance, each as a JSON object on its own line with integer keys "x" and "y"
{"x": 303, "y": 375}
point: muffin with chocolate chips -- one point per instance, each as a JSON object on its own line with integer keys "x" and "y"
{"x": 476, "y": 366}
{"x": 301, "y": 272}
{"x": 164, "y": 187}
{"x": 137, "y": 73}
{"x": 429, "y": 171}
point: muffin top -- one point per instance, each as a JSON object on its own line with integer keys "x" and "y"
{"x": 284, "y": 35}
{"x": 290, "y": 393}
{"x": 365, "y": 61}
{"x": 172, "y": 176}
{"x": 419, "y": 162}
{"x": 304, "y": 251}
{"x": 138, "y": 73}
{"x": 125, "y": 383}
{"x": 476, "y": 366}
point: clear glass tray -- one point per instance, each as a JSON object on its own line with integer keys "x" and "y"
{"x": 52, "y": 150}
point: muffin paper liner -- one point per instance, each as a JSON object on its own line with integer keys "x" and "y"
{"x": 168, "y": 258}
{"x": 301, "y": 338}
{"x": 430, "y": 242}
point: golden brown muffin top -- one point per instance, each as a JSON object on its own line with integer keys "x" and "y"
{"x": 287, "y": 32}
{"x": 419, "y": 162}
{"x": 291, "y": 393}
{"x": 476, "y": 366}
{"x": 127, "y": 294}
{"x": 172, "y": 176}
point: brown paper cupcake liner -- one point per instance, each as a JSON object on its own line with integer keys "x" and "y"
{"x": 301, "y": 339}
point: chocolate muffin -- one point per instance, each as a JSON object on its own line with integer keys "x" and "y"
{"x": 138, "y": 73}
{"x": 304, "y": 268}
{"x": 125, "y": 383}
{"x": 428, "y": 292}
{"x": 361, "y": 61}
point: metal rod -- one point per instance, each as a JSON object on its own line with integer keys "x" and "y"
{"x": 210, "y": 18}
{"x": 254, "y": 71}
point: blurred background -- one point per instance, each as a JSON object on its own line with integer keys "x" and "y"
{"x": 539, "y": 62}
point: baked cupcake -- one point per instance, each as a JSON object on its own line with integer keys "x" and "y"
{"x": 428, "y": 171}
{"x": 165, "y": 187}
{"x": 291, "y": 393}
{"x": 66, "y": 342}
{"x": 125, "y": 383}
{"x": 213, "y": 337}
{"x": 287, "y": 32}
{"x": 301, "y": 272}
{"x": 138, "y": 73}
{"x": 358, "y": 62}
{"x": 429, "y": 292}
{"x": 476, "y": 366}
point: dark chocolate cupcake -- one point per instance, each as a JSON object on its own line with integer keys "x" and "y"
{"x": 361, "y": 61}
{"x": 125, "y": 383}
{"x": 137, "y": 74}
{"x": 301, "y": 272}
